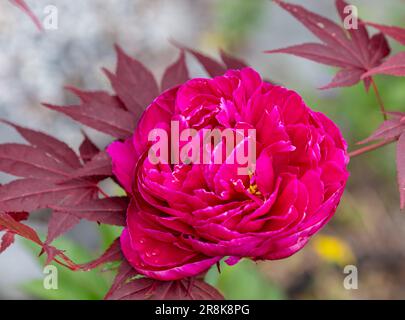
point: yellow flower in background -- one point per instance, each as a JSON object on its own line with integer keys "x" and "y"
{"x": 333, "y": 250}
{"x": 212, "y": 41}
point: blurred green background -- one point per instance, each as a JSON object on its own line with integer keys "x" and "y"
{"x": 368, "y": 228}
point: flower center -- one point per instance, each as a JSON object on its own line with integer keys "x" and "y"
{"x": 253, "y": 188}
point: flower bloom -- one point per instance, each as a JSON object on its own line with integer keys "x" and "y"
{"x": 184, "y": 218}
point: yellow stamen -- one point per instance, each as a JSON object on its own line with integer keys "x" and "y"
{"x": 253, "y": 189}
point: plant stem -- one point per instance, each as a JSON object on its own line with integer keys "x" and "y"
{"x": 379, "y": 99}
{"x": 102, "y": 192}
{"x": 370, "y": 148}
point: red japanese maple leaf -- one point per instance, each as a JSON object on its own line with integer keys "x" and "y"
{"x": 353, "y": 50}
{"x": 392, "y": 130}
{"x": 8, "y": 237}
{"x": 24, "y": 7}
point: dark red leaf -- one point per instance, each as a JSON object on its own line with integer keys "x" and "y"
{"x": 101, "y": 111}
{"x": 6, "y": 241}
{"x": 24, "y": 7}
{"x": 389, "y": 129}
{"x": 99, "y": 167}
{"x": 54, "y": 147}
{"x": 136, "y": 290}
{"x": 353, "y": 50}
{"x": 100, "y": 99}
{"x": 175, "y": 74}
{"x": 61, "y": 222}
{"x": 110, "y": 210}
{"x": 325, "y": 29}
{"x": 232, "y": 62}
{"x": 8, "y": 238}
{"x": 394, "y": 32}
{"x": 394, "y": 66}
{"x": 19, "y": 216}
{"x": 316, "y": 52}
{"x": 113, "y": 121}
{"x": 32, "y": 194}
{"x": 52, "y": 255}
{"x": 398, "y": 115}
{"x": 149, "y": 289}
{"x": 88, "y": 149}
{"x": 113, "y": 253}
{"x": 16, "y": 227}
{"x": 378, "y": 48}
{"x": 124, "y": 274}
{"x": 345, "y": 78}
{"x": 359, "y": 36}
{"x": 29, "y": 162}
{"x": 202, "y": 290}
{"x": 133, "y": 82}
{"x": 213, "y": 67}
{"x": 401, "y": 168}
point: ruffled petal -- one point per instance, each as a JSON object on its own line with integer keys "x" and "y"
{"x": 123, "y": 162}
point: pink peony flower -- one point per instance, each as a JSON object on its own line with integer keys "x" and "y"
{"x": 184, "y": 218}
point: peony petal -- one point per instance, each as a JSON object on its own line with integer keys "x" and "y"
{"x": 123, "y": 161}
{"x": 167, "y": 274}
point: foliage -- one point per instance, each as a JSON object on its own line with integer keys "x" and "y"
{"x": 91, "y": 285}
{"x": 53, "y": 176}
{"x": 360, "y": 58}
